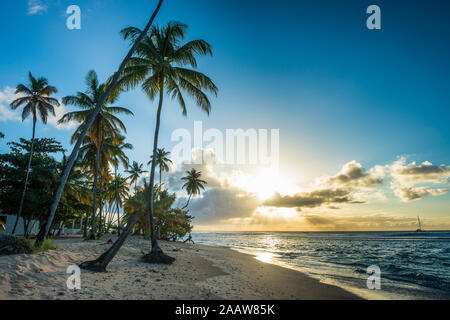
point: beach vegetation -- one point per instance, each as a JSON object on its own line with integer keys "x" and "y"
{"x": 42, "y": 180}
{"x": 162, "y": 162}
{"x": 135, "y": 171}
{"x": 104, "y": 130}
{"x": 171, "y": 222}
{"x": 193, "y": 185}
{"x": 46, "y": 246}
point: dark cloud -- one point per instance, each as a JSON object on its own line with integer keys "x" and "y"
{"x": 218, "y": 204}
{"x": 405, "y": 177}
{"x": 426, "y": 169}
{"x": 411, "y": 193}
{"x": 319, "y": 221}
{"x": 420, "y": 173}
{"x": 312, "y": 199}
{"x": 353, "y": 175}
{"x": 173, "y": 179}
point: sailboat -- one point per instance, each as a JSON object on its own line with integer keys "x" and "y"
{"x": 420, "y": 225}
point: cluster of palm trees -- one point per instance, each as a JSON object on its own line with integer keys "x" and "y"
{"x": 104, "y": 147}
{"x": 162, "y": 66}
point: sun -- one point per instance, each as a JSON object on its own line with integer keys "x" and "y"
{"x": 265, "y": 183}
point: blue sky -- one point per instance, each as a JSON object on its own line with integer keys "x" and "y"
{"x": 337, "y": 91}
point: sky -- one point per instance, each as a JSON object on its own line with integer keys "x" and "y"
{"x": 362, "y": 114}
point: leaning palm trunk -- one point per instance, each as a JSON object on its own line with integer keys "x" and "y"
{"x": 156, "y": 255}
{"x": 22, "y": 199}
{"x": 117, "y": 200}
{"x": 94, "y": 205}
{"x": 46, "y": 226}
{"x": 100, "y": 223}
{"x": 102, "y": 262}
{"x": 85, "y": 225}
{"x": 187, "y": 203}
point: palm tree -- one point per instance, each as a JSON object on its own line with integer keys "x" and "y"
{"x": 121, "y": 191}
{"x": 106, "y": 124}
{"x": 135, "y": 173}
{"x": 77, "y": 187}
{"x": 193, "y": 184}
{"x": 88, "y": 156}
{"x": 157, "y": 65}
{"x": 119, "y": 156}
{"x": 162, "y": 161}
{"x": 160, "y": 65}
{"x": 45, "y": 227}
{"x": 37, "y": 101}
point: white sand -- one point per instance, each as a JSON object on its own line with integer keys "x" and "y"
{"x": 200, "y": 272}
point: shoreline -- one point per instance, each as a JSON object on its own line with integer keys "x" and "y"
{"x": 200, "y": 272}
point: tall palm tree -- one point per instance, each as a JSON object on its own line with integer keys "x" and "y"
{"x": 161, "y": 64}
{"x": 45, "y": 227}
{"x": 193, "y": 184}
{"x": 158, "y": 66}
{"x": 37, "y": 101}
{"x": 135, "y": 172}
{"x": 162, "y": 161}
{"x": 106, "y": 124}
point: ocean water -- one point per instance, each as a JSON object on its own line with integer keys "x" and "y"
{"x": 414, "y": 265}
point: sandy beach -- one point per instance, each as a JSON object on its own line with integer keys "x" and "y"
{"x": 200, "y": 272}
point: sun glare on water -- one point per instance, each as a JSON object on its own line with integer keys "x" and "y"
{"x": 265, "y": 256}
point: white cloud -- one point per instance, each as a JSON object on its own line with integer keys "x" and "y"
{"x": 6, "y": 113}
{"x": 353, "y": 175}
{"x": 7, "y": 95}
{"x": 406, "y": 177}
{"x": 36, "y": 7}
{"x": 59, "y": 112}
{"x": 409, "y": 174}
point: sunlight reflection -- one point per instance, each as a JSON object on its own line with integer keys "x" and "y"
{"x": 265, "y": 256}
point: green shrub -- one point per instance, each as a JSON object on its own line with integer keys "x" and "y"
{"x": 14, "y": 245}
{"x": 46, "y": 246}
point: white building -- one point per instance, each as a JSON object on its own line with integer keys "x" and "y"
{"x": 9, "y": 220}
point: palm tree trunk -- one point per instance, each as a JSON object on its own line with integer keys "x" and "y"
{"x": 155, "y": 246}
{"x": 117, "y": 201}
{"x": 189, "y": 199}
{"x": 85, "y": 225}
{"x": 22, "y": 199}
{"x": 100, "y": 224}
{"x": 100, "y": 227}
{"x": 94, "y": 204}
{"x": 101, "y": 263}
{"x": 46, "y": 226}
{"x": 160, "y": 178}
{"x": 25, "y": 228}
